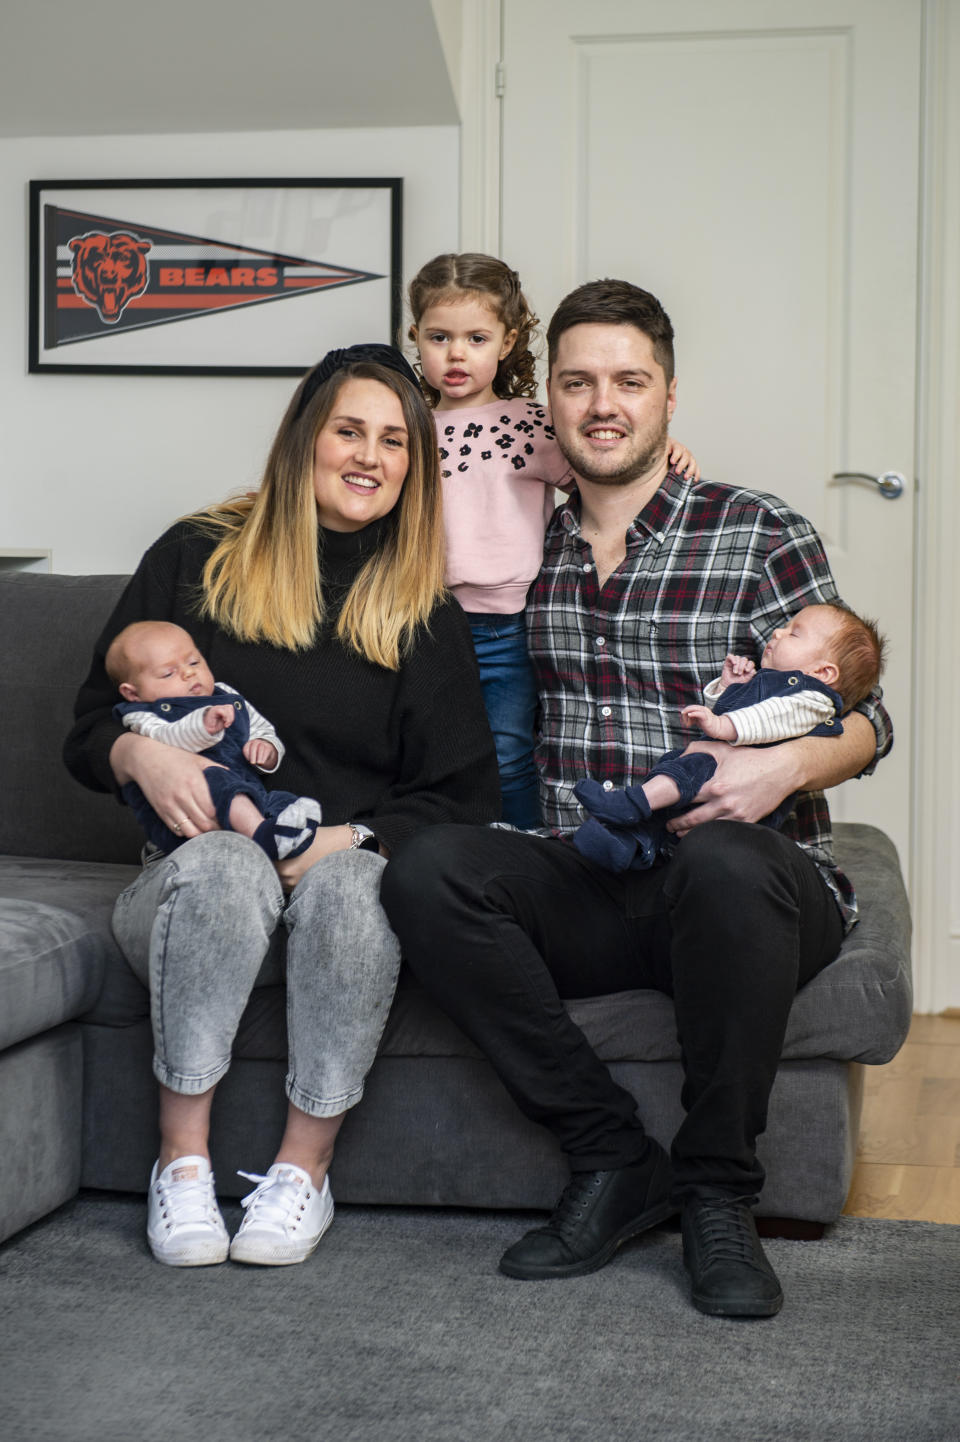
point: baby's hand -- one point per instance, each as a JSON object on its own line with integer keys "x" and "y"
{"x": 736, "y": 668}
{"x": 217, "y": 718}
{"x": 682, "y": 461}
{"x": 719, "y": 728}
{"x": 261, "y": 753}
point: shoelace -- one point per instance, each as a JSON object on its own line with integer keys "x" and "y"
{"x": 186, "y": 1201}
{"x": 570, "y": 1208}
{"x": 724, "y": 1230}
{"x": 273, "y": 1199}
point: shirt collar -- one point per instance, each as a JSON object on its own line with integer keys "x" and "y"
{"x": 657, "y": 516}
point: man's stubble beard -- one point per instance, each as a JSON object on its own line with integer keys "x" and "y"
{"x": 631, "y": 470}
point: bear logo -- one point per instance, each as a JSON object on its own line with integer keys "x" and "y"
{"x": 109, "y": 271}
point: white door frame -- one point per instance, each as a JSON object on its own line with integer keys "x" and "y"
{"x": 936, "y": 768}
{"x": 480, "y": 126}
{"x": 935, "y": 801}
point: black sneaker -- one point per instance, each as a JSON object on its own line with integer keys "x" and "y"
{"x": 729, "y": 1271}
{"x": 597, "y": 1212}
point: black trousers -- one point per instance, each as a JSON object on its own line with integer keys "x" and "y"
{"x": 500, "y": 927}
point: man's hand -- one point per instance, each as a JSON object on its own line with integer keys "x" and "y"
{"x": 736, "y": 668}
{"x": 748, "y": 784}
{"x": 721, "y": 728}
{"x": 218, "y": 718}
{"x": 751, "y": 781}
{"x": 261, "y": 753}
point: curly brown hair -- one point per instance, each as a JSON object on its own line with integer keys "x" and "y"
{"x": 452, "y": 277}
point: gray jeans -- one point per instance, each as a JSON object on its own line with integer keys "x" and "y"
{"x": 210, "y": 922}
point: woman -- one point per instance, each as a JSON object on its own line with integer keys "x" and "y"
{"x": 321, "y": 600}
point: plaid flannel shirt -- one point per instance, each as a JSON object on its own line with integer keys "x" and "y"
{"x": 709, "y": 569}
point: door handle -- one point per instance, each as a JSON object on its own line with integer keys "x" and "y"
{"x": 890, "y": 484}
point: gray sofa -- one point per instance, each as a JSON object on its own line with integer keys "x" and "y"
{"x": 77, "y": 1098}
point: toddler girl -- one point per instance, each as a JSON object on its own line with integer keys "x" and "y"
{"x": 500, "y": 464}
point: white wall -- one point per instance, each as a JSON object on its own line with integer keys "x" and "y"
{"x": 94, "y": 467}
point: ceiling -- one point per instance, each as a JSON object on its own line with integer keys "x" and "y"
{"x": 105, "y": 67}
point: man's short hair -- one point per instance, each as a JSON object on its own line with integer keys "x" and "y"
{"x": 614, "y": 302}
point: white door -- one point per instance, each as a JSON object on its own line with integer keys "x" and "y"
{"x": 754, "y": 163}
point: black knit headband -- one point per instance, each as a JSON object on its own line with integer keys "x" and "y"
{"x": 335, "y": 360}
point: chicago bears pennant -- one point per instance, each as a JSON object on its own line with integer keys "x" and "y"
{"x": 160, "y": 275}
{"x": 118, "y": 274}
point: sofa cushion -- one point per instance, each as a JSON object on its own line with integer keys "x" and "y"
{"x": 51, "y": 964}
{"x": 859, "y": 1009}
{"x": 48, "y": 625}
{"x": 55, "y": 940}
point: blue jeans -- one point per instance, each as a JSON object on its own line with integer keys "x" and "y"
{"x": 207, "y": 924}
{"x": 510, "y": 696}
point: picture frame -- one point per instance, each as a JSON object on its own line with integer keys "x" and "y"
{"x": 210, "y": 277}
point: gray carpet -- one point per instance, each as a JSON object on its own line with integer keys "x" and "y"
{"x": 400, "y": 1329}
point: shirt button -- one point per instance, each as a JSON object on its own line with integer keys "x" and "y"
{"x": 601, "y": 641}
{"x": 588, "y": 565}
{"x": 604, "y": 710}
{"x": 660, "y": 537}
{"x": 608, "y": 786}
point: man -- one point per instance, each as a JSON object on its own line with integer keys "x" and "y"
{"x": 648, "y": 581}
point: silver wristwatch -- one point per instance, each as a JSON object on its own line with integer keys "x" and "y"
{"x": 363, "y": 838}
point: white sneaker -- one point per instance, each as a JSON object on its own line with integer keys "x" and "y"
{"x": 184, "y": 1225}
{"x": 285, "y": 1217}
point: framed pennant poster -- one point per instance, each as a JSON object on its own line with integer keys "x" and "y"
{"x": 210, "y": 277}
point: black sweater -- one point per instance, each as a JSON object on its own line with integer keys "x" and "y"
{"x": 397, "y": 750}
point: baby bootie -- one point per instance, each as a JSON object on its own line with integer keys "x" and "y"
{"x": 609, "y": 847}
{"x": 623, "y": 807}
{"x": 292, "y": 831}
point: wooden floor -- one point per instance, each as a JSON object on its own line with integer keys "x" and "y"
{"x": 908, "y": 1163}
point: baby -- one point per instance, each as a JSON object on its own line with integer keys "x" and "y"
{"x": 169, "y": 694}
{"x": 825, "y": 661}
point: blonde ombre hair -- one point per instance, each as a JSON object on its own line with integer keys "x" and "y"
{"x": 264, "y": 579}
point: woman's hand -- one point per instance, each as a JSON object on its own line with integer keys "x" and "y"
{"x": 172, "y": 781}
{"x": 326, "y": 841}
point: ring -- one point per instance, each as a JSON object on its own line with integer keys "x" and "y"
{"x": 178, "y": 827}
